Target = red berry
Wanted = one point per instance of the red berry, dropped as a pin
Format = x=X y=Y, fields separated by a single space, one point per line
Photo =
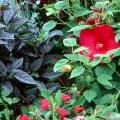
x=63 y=112
x=45 y=104
x=24 y=117
x=66 y=98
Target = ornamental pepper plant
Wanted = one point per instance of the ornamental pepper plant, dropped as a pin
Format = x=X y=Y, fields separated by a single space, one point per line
x=60 y=59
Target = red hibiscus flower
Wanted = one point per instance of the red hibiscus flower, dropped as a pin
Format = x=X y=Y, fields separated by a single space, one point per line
x=24 y=117
x=98 y=40
x=45 y=104
x=66 y=98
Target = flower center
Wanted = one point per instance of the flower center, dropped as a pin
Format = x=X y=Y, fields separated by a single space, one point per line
x=99 y=45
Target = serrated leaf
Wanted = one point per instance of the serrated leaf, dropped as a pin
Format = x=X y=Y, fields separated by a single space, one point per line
x=23 y=76
x=58 y=67
x=104 y=79
x=89 y=95
x=69 y=42
x=77 y=71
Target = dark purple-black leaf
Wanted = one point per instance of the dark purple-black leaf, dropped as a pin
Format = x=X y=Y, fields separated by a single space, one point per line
x=16 y=64
x=7 y=15
x=23 y=76
x=6 y=36
x=10 y=44
x=36 y=64
x=52 y=86
x=8 y=86
x=54 y=33
x=19 y=22
x=51 y=74
x=3 y=69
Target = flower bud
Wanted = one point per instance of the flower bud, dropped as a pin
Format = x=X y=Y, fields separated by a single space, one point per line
x=90 y=21
x=67 y=68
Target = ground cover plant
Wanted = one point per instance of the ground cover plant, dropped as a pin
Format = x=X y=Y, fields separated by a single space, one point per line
x=59 y=60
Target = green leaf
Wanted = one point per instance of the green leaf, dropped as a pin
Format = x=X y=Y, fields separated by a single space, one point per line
x=61 y=5
x=104 y=79
x=24 y=110
x=105 y=69
x=90 y=95
x=117 y=53
x=79 y=28
x=117 y=37
x=83 y=12
x=72 y=57
x=79 y=49
x=80 y=101
x=58 y=97
x=45 y=93
x=59 y=65
x=7 y=100
x=96 y=61
x=106 y=99
x=69 y=42
x=84 y=59
x=77 y=71
x=49 y=25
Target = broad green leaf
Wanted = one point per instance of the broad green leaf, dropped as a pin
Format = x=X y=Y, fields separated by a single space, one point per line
x=117 y=37
x=73 y=57
x=96 y=61
x=49 y=25
x=69 y=42
x=79 y=28
x=79 y=49
x=105 y=69
x=84 y=59
x=59 y=65
x=58 y=97
x=89 y=95
x=61 y=5
x=77 y=71
x=83 y=12
x=106 y=99
x=96 y=87
x=104 y=79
